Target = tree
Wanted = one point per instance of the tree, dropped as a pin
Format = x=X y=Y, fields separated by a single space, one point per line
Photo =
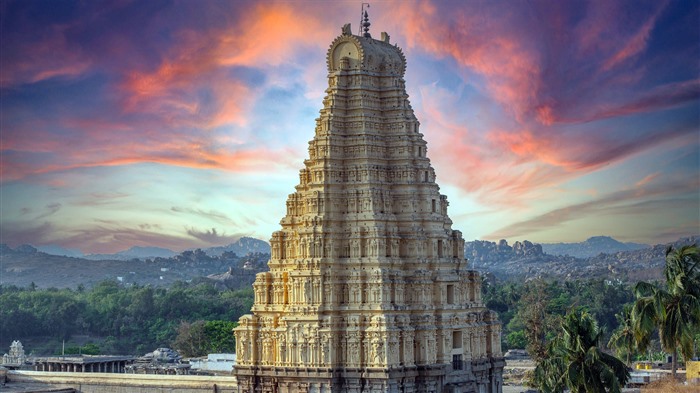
x=220 y=336
x=191 y=340
x=576 y=362
x=674 y=310
x=203 y=337
x=535 y=319
x=623 y=338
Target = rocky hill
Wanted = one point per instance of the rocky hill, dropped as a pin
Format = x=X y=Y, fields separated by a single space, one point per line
x=241 y=247
x=525 y=260
x=591 y=247
x=244 y=246
x=25 y=265
x=234 y=266
x=134 y=252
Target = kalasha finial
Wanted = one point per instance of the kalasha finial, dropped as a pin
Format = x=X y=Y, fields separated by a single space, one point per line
x=364 y=21
x=365 y=26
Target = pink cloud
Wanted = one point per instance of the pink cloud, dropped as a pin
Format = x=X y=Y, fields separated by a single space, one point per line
x=637 y=43
x=267 y=36
x=537 y=64
x=476 y=41
x=164 y=117
x=498 y=172
x=49 y=56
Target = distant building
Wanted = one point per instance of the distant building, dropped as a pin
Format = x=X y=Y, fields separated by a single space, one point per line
x=83 y=363
x=161 y=361
x=16 y=356
x=215 y=362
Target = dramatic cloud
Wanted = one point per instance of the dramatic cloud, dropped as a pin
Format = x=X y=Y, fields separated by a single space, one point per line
x=631 y=201
x=212 y=236
x=124 y=122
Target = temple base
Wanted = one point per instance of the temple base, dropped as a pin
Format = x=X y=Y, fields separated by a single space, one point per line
x=478 y=376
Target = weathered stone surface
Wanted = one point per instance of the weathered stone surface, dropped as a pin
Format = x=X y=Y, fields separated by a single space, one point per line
x=368 y=288
x=118 y=383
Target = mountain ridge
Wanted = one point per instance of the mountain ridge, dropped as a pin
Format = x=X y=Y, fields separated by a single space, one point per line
x=591 y=247
x=242 y=246
x=522 y=260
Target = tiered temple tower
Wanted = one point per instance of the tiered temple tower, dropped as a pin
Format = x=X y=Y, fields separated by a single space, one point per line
x=368 y=288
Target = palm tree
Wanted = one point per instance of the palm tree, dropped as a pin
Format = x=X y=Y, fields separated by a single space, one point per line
x=675 y=310
x=623 y=338
x=576 y=362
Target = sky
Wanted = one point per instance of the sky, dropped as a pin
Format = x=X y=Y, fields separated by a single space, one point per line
x=183 y=124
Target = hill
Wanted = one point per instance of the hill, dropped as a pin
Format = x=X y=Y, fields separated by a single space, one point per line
x=135 y=252
x=241 y=260
x=591 y=247
x=241 y=247
x=25 y=265
x=525 y=260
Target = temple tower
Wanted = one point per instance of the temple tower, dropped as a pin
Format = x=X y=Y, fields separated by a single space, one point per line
x=368 y=288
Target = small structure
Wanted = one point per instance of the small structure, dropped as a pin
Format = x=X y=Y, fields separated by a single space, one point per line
x=84 y=363
x=516 y=354
x=16 y=357
x=692 y=371
x=161 y=361
x=215 y=363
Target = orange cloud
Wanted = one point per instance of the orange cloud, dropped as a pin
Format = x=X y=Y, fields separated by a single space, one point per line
x=267 y=36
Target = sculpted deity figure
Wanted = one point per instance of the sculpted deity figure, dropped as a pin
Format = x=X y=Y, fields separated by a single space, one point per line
x=303 y=351
x=307 y=290
x=393 y=355
x=355 y=249
x=242 y=353
x=377 y=348
x=354 y=352
x=283 y=349
x=267 y=351
x=325 y=349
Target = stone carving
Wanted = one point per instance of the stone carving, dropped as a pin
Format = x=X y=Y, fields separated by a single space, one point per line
x=360 y=269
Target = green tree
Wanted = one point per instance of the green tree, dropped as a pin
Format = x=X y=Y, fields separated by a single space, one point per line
x=517 y=339
x=535 y=319
x=674 y=310
x=191 y=339
x=576 y=362
x=220 y=336
x=623 y=338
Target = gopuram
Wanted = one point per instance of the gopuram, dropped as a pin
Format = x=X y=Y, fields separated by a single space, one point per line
x=368 y=288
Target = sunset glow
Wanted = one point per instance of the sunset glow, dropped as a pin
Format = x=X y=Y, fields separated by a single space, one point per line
x=184 y=124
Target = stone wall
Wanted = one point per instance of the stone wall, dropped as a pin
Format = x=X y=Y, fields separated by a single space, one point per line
x=127 y=383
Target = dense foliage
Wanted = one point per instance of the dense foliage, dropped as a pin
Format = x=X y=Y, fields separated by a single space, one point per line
x=673 y=310
x=200 y=338
x=576 y=362
x=538 y=305
x=127 y=320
